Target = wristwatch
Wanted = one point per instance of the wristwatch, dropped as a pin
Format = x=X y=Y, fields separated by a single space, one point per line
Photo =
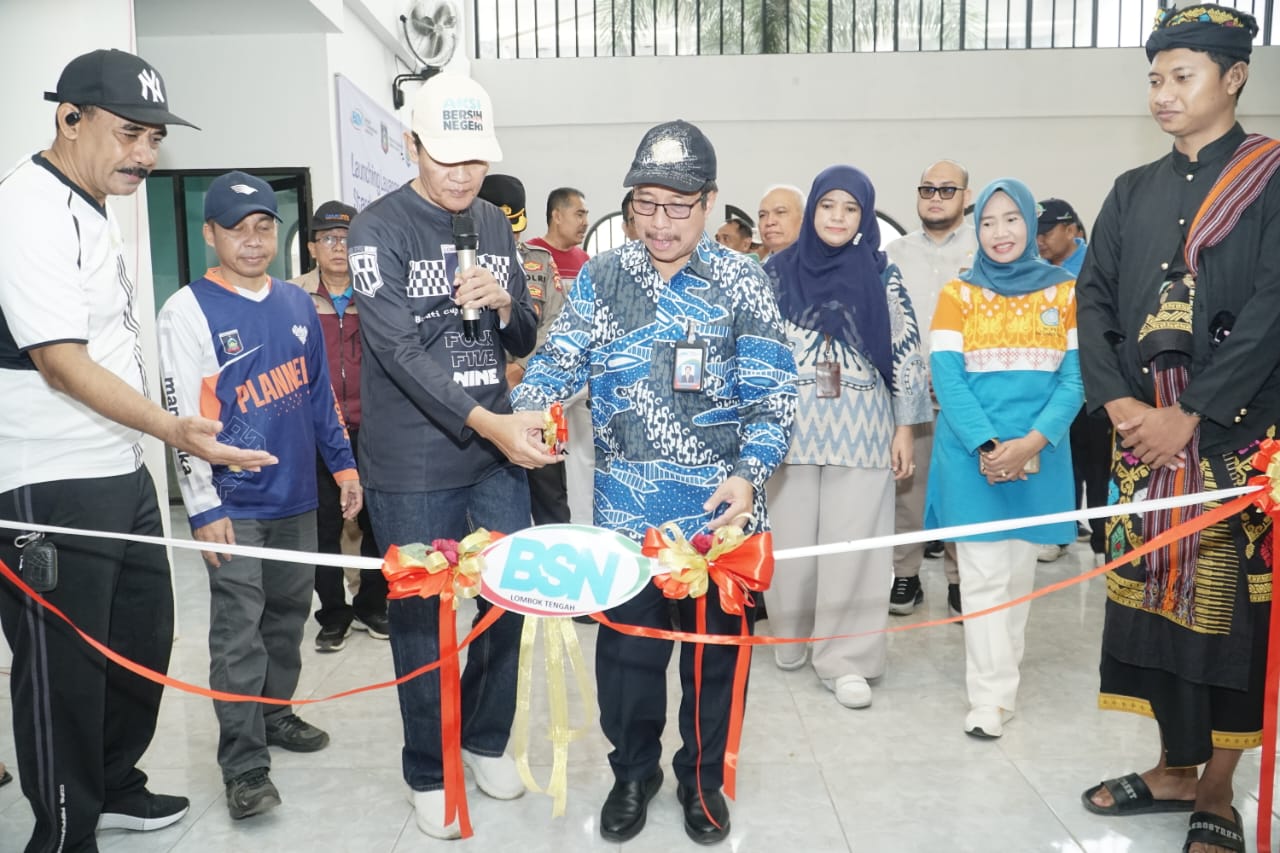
x=987 y=446
x=1187 y=410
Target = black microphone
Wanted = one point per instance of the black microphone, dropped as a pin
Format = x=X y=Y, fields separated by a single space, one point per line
x=465 y=241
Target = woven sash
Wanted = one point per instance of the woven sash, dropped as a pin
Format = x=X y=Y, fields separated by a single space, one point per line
x=1170 y=582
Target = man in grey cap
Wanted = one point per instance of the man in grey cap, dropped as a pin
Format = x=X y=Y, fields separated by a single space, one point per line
x=334 y=298
x=693 y=451
x=70 y=351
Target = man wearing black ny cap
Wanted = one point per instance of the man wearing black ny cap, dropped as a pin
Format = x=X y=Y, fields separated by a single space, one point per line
x=1180 y=344
x=79 y=402
x=694 y=449
x=329 y=284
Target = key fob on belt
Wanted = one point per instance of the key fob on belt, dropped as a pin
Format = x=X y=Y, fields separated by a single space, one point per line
x=38 y=564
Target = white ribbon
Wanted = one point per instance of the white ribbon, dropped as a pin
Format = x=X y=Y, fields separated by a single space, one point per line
x=338 y=560
x=942 y=533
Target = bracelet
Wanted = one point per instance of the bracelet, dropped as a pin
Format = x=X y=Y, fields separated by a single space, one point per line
x=1187 y=410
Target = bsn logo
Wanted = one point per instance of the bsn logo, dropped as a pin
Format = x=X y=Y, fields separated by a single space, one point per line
x=150 y=81
x=558 y=570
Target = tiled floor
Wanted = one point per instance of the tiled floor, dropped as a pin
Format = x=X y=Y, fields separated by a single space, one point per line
x=814 y=777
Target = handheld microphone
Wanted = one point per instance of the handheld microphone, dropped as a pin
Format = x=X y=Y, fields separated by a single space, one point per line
x=465 y=242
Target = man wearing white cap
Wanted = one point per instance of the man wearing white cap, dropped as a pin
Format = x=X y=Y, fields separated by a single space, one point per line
x=439 y=453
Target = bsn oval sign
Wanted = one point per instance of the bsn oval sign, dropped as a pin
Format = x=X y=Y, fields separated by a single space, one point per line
x=563 y=570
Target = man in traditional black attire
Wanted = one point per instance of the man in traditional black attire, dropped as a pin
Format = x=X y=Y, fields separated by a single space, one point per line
x=1180 y=343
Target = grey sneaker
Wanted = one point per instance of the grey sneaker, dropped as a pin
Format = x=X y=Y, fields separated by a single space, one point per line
x=251 y=793
x=291 y=732
x=332 y=638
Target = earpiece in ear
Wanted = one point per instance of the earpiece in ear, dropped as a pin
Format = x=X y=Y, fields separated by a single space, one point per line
x=72 y=117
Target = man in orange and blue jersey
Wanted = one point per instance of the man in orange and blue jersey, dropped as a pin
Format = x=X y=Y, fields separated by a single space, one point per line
x=244 y=348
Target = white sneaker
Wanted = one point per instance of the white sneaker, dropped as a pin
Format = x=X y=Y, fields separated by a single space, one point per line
x=495 y=775
x=428 y=811
x=986 y=721
x=787 y=664
x=1049 y=553
x=852 y=691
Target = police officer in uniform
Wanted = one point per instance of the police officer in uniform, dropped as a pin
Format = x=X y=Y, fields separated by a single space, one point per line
x=548 y=492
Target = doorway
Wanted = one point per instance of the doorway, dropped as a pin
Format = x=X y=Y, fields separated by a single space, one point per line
x=175 y=208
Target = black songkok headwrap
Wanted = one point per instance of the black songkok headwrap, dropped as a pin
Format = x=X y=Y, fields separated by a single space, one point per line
x=1204 y=26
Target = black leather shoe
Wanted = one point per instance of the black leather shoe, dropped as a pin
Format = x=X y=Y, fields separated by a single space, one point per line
x=697 y=820
x=626 y=807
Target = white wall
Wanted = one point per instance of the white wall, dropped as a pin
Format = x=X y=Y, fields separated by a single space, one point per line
x=37 y=39
x=1065 y=121
x=260 y=100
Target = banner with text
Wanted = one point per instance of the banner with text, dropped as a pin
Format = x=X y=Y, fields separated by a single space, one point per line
x=370 y=147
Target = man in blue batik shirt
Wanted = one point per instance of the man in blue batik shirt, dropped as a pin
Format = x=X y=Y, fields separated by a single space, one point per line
x=696 y=452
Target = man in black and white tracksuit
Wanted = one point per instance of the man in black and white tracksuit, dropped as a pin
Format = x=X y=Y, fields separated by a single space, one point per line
x=440 y=453
x=77 y=404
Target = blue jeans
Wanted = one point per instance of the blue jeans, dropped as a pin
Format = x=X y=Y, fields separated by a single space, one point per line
x=500 y=502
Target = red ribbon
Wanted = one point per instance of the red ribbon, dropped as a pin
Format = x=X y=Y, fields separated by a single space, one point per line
x=439 y=573
x=746 y=568
x=1267 y=460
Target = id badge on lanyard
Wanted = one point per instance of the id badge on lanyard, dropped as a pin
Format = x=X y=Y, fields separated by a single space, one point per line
x=827 y=371
x=690 y=363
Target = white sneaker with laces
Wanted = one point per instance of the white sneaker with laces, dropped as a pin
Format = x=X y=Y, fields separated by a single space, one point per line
x=852 y=691
x=986 y=721
x=495 y=775
x=428 y=811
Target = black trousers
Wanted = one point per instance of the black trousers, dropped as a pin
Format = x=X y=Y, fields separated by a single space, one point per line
x=631 y=677
x=549 y=495
x=81 y=724
x=1091 y=467
x=371 y=598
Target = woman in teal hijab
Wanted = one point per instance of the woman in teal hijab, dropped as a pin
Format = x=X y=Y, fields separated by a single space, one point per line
x=1007 y=377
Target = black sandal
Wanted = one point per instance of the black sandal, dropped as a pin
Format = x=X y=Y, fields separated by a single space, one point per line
x=1130 y=796
x=5 y=778
x=1208 y=828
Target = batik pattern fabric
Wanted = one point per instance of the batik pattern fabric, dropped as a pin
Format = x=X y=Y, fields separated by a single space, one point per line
x=855 y=430
x=660 y=453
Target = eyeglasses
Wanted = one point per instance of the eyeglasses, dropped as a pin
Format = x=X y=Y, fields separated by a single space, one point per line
x=674 y=210
x=333 y=240
x=945 y=193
